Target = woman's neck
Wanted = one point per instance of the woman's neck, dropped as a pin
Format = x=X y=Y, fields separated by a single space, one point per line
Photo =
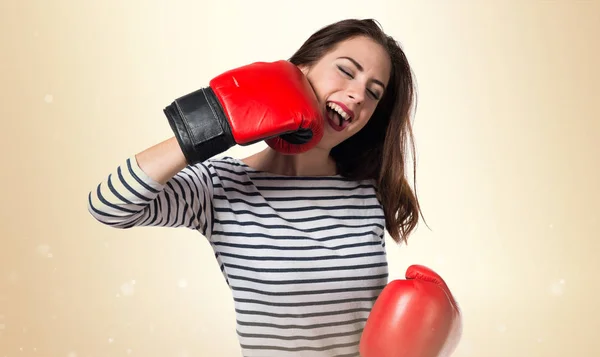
x=315 y=162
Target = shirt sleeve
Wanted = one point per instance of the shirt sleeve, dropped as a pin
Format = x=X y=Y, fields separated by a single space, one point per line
x=128 y=197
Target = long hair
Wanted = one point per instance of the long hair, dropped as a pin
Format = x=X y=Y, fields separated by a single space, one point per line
x=379 y=150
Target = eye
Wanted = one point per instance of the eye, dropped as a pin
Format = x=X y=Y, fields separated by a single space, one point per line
x=345 y=71
x=373 y=94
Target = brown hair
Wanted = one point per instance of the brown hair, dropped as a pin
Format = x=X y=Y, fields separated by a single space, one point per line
x=378 y=151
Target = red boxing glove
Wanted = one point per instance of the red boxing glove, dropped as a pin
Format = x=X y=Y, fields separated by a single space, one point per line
x=271 y=101
x=416 y=317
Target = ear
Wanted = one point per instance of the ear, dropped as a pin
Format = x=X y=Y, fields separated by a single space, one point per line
x=304 y=68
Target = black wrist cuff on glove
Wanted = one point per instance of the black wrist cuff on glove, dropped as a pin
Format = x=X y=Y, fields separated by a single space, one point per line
x=200 y=125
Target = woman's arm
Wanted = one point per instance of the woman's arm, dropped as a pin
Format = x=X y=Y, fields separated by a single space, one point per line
x=156 y=187
x=162 y=161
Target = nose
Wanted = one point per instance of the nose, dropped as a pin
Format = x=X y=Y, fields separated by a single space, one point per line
x=356 y=94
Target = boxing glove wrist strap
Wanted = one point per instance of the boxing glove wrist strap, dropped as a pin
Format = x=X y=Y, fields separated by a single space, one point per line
x=200 y=126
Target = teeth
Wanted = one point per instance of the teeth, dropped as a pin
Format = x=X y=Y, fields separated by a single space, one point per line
x=339 y=110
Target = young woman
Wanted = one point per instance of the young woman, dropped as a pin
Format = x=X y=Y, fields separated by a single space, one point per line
x=298 y=232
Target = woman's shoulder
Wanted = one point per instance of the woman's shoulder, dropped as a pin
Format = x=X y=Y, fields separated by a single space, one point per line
x=227 y=166
x=227 y=162
x=231 y=165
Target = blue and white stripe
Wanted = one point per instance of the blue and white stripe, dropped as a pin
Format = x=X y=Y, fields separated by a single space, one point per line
x=304 y=257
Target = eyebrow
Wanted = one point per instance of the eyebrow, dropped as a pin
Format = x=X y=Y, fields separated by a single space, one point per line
x=361 y=68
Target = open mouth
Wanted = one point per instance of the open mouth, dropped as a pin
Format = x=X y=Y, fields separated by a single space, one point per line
x=339 y=115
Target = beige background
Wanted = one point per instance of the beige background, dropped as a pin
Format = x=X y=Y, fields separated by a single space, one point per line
x=507 y=131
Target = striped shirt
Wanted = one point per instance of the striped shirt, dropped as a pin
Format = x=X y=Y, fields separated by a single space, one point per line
x=304 y=257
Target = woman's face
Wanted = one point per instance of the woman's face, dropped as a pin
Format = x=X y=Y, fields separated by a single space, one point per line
x=349 y=82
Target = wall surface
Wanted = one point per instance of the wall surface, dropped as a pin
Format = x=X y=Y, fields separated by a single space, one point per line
x=507 y=130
